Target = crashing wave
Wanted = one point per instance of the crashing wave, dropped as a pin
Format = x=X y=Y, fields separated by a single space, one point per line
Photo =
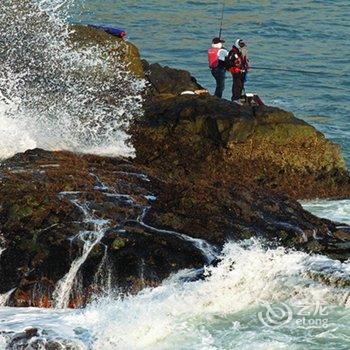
x=249 y=287
x=53 y=96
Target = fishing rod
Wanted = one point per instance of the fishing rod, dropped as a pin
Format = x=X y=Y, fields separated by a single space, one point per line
x=222 y=18
x=268 y=68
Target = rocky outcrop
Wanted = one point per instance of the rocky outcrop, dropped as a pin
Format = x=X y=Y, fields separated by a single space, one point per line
x=208 y=138
x=206 y=171
x=52 y=204
x=135 y=228
x=167 y=82
x=114 y=47
x=205 y=138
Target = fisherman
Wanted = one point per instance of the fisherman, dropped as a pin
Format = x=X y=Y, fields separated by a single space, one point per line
x=236 y=68
x=241 y=45
x=217 y=57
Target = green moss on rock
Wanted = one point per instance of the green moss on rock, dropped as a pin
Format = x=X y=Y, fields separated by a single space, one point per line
x=118 y=243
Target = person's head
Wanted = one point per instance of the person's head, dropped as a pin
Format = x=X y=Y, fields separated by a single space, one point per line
x=218 y=42
x=240 y=43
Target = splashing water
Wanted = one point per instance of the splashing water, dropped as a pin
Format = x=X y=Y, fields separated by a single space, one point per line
x=4 y=298
x=220 y=312
x=338 y=211
x=54 y=96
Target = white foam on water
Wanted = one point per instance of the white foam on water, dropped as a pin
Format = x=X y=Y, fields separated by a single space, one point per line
x=181 y=315
x=54 y=96
x=338 y=211
x=220 y=312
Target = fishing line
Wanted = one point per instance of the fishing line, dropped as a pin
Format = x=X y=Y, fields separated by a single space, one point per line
x=294 y=71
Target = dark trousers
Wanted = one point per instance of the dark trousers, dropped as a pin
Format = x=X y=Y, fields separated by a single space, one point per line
x=219 y=75
x=237 y=86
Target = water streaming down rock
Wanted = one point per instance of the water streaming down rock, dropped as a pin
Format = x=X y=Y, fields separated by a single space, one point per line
x=2 y=244
x=103 y=276
x=4 y=298
x=208 y=250
x=63 y=290
x=55 y=96
x=66 y=289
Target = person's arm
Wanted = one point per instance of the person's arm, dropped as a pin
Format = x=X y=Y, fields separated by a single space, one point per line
x=222 y=55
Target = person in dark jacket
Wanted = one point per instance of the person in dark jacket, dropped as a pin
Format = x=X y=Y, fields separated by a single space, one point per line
x=236 y=69
x=241 y=45
x=216 y=58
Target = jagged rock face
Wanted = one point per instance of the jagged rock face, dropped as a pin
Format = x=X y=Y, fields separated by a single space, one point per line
x=210 y=138
x=52 y=202
x=167 y=81
x=206 y=171
x=135 y=228
x=204 y=138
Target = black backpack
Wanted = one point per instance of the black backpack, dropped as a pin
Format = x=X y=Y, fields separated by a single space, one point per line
x=230 y=59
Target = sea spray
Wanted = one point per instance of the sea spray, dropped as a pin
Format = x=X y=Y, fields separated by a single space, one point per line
x=215 y=313
x=55 y=96
x=218 y=312
x=4 y=298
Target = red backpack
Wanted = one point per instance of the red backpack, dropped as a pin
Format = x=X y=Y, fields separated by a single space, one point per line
x=213 y=57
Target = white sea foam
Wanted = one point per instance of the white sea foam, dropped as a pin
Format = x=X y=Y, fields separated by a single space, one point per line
x=182 y=315
x=220 y=312
x=338 y=211
x=55 y=97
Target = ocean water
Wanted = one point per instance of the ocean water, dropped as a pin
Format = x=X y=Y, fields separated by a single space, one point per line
x=255 y=298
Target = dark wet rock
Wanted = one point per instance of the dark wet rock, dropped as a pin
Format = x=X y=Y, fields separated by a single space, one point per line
x=206 y=139
x=168 y=81
x=33 y=339
x=207 y=171
x=40 y=223
x=147 y=216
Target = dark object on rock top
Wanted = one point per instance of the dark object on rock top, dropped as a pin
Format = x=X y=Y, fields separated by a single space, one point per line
x=120 y=33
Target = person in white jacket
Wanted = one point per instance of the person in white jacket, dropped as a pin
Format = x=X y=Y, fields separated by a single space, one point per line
x=216 y=58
